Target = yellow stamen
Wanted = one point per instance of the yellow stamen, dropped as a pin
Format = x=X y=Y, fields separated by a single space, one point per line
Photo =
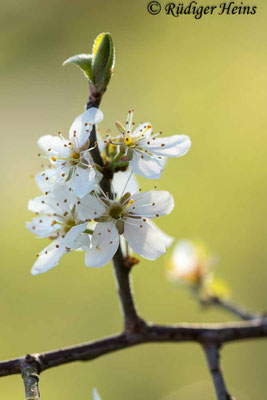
x=128 y=204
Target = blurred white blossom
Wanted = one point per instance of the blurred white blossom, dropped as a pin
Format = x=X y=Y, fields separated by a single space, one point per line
x=189 y=262
x=193 y=264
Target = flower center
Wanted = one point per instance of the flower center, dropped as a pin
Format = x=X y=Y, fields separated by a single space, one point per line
x=116 y=211
x=70 y=223
x=75 y=158
x=129 y=141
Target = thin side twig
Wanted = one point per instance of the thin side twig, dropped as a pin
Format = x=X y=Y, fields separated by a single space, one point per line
x=228 y=306
x=213 y=361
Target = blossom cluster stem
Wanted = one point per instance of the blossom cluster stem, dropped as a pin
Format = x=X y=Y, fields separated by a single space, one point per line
x=132 y=321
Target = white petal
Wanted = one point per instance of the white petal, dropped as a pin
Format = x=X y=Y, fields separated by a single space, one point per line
x=63 y=193
x=83 y=242
x=71 y=237
x=166 y=239
x=143 y=239
x=45 y=185
x=142 y=129
x=82 y=126
x=95 y=174
x=43 y=226
x=48 y=205
x=145 y=165
x=119 y=181
x=54 y=146
x=39 y=205
x=152 y=204
x=125 y=248
x=96 y=395
x=83 y=181
x=46 y=180
x=172 y=146
x=90 y=207
x=49 y=257
x=93 y=115
x=105 y=242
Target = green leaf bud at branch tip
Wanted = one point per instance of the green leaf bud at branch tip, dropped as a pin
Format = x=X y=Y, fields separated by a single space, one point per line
x=103 y=61
x=98 y=66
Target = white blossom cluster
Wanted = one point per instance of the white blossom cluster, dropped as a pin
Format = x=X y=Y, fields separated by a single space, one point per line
x=75 y=213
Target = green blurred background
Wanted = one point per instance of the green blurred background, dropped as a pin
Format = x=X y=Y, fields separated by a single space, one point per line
x=206 y=78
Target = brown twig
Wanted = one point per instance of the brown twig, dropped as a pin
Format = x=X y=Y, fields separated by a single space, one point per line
x=132 y=322
x=234 y=309
x=213 y=361
x=204 y=334
x=30 y=368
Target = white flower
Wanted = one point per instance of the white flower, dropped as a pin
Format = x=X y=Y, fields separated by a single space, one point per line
x=57 y=220
x=96 y=395
x=146 y=151
x=128 y=216
x=124 y=179
x=190 y=262
x=71 y=158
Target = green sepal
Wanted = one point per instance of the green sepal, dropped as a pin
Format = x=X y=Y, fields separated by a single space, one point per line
x=84 y=62
x=120 y=226
x=130 y=154
x=88 y=231
x=111 y=150
x=105 y=201
x=102 y=219
x=125 y=197
x=69 y=175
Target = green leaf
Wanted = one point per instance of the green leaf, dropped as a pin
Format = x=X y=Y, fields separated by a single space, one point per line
x=84 y=62
x=103 y=61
